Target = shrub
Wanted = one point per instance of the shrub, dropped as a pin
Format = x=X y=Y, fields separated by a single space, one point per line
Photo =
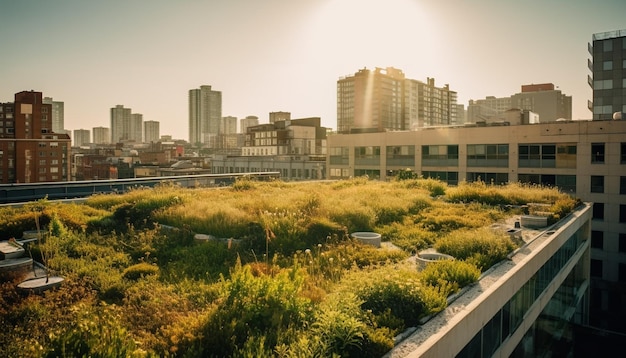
x=452 y=274
x=484 y=247
x=354 y=219
x=250 y=306
x=140 y=270
x=95 y=332
x=394 y=289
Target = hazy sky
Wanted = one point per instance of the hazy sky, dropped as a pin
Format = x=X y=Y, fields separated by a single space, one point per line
x=287 y=55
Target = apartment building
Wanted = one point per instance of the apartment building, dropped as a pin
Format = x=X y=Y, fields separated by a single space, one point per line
x=295 y=147
x=101 y=135
x=544 y=99
x=249 y=121
x=608 y=67
x=384 y=99
x=30 y=151
x=151 y=131
x=205 y=115
x=81 y=137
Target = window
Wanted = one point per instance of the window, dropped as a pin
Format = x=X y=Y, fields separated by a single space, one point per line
x=607 y=65
x=597 y=153
x=596 y=268
x=622 y=153
x=621 y=273
x=607 y=45
x=488 y=155
x=597 y=184
x=622 y=213
x=622 y=243
x=598 y=211
x=537 y=155
x=597 y=239
x=622 y=185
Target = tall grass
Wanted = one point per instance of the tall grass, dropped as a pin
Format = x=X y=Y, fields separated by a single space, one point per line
x=293 y=284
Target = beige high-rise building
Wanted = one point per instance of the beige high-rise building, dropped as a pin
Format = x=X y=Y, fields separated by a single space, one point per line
x=544 y=99
x=205 y=114
x=101 y=135
x=120 y=123
x=81 y=137
x=136 y=127
x=228 y=125
x=249 y=121
x=152 y=132
x=384 y=99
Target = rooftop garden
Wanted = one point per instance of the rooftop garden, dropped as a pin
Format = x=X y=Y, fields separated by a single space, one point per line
x=274 y=273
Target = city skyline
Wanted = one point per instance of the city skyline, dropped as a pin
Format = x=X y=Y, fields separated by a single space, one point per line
x=287 y=56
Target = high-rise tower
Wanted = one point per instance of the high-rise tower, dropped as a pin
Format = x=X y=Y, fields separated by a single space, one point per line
x=58 y=113
x=609 y=74
x=384 y=99
x=120 y=123
x=205 y=114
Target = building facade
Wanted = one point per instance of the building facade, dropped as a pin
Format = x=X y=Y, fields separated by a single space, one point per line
x=585 y=158
x=101 y=135
x=58 y=114
x=136 y=128
x=205 y=114
x=384 y=99
x=249 y=121
x=303 y=136
x=81 y=137
x=30 y=151
x=609 y=74
x=152 y=132
x=228 y=125
x=544 y=99
x=120 y=123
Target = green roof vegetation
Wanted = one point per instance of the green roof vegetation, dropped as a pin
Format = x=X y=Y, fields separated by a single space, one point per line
x=276 y=273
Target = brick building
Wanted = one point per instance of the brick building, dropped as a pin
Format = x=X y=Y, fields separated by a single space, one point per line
x=30 y=151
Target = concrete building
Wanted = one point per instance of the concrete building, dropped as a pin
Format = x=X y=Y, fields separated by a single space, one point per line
x=543 y=99
x=120 y=123
x=607 y=186
x=249 y=121
x=279 y=116
x=30 y=151
x=136 y=128
x=151 y=131
x=303 y=136
x=81 y=137
x=585 y=158
x=205 y=114
x=609 y=74
x=101 y=135
x=228 y=125
x=296 y=148
x=534 y=304
x=384 y=99
x=58 y=114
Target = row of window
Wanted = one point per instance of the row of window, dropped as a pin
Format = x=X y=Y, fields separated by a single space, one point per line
x=490 y=155
x=598 y=212
x=597 y=266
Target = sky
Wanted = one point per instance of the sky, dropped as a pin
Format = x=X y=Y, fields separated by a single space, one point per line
x=287 y=55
